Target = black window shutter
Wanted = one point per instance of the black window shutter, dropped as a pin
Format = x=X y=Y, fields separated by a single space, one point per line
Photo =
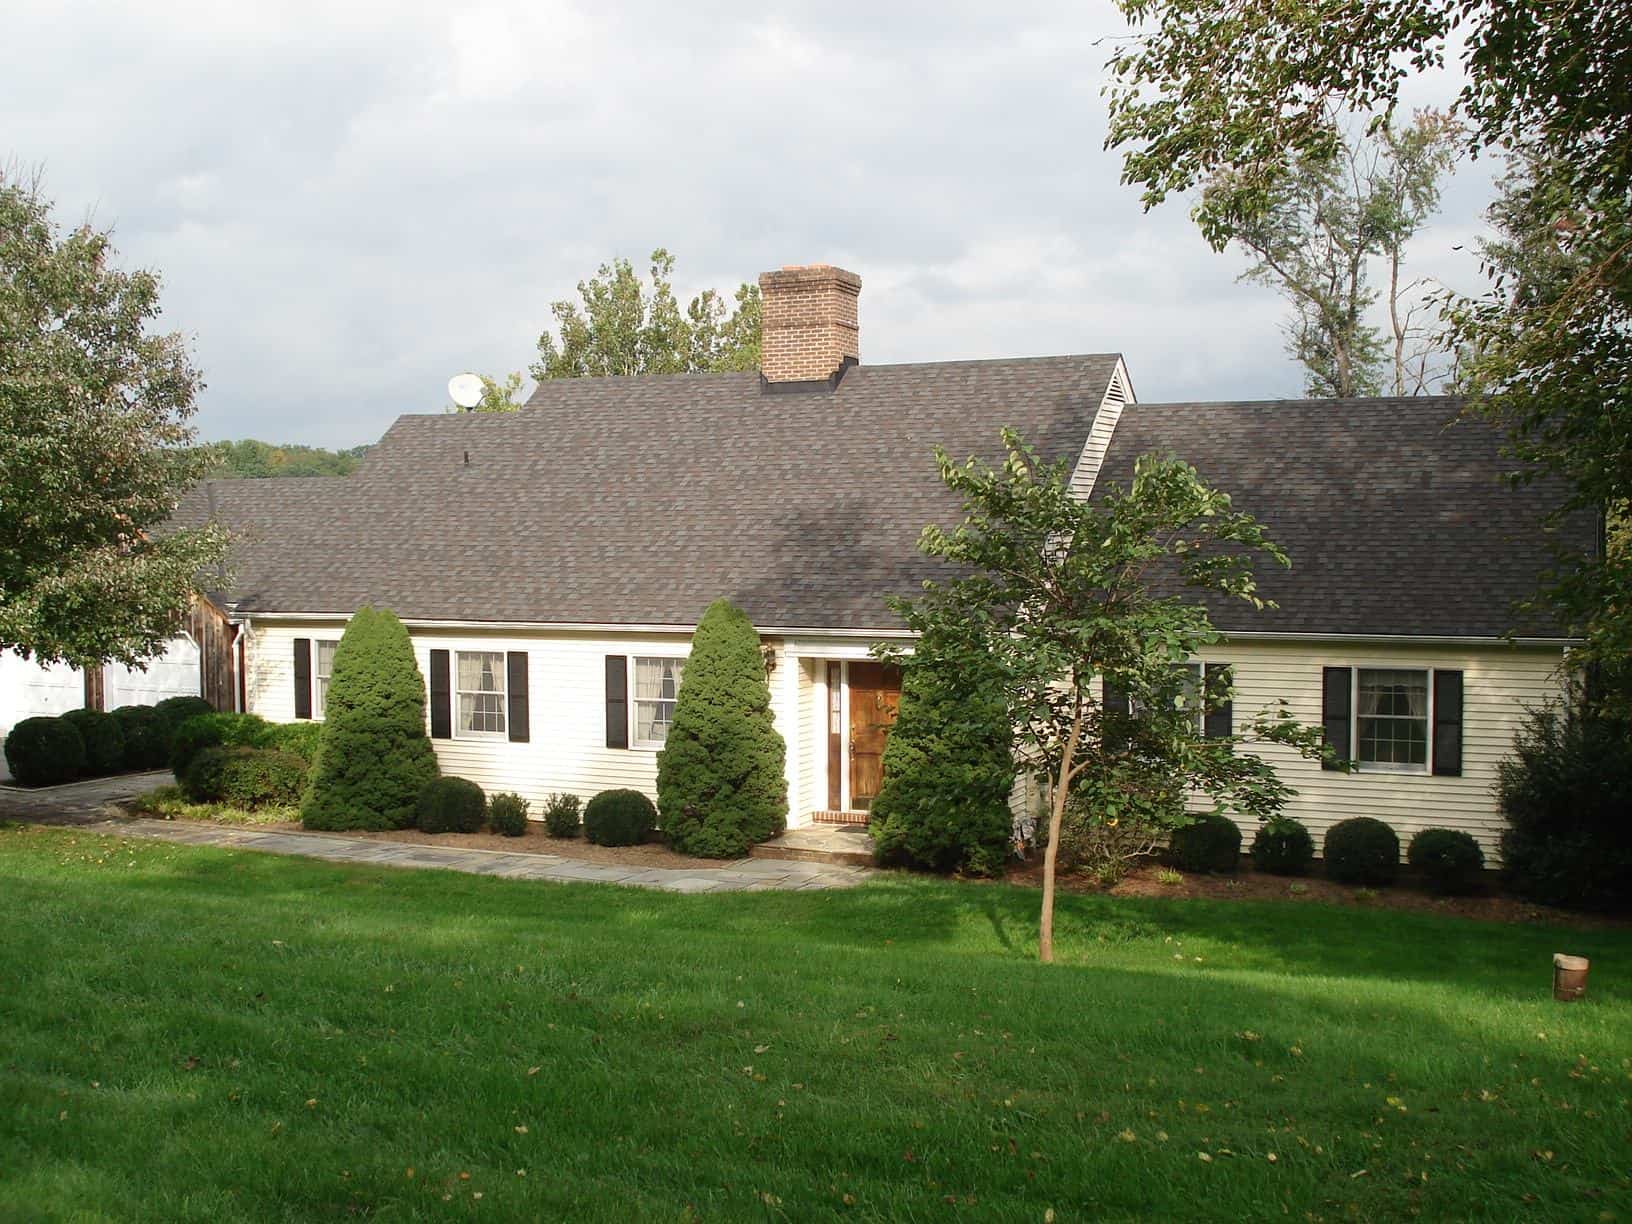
x=303 y=677
x=1335 y=703
x=441 y=697
x=1219 y=720
x=516 y=665
x=1117 y=711
x=1448 y=723
x=617 y=701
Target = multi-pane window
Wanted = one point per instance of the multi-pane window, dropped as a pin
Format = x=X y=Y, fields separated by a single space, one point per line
x=657 y=684
x=479 y=689
x=322 y=669
x=1391 y=708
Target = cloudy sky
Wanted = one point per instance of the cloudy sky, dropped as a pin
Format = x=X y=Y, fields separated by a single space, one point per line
x=349 y=202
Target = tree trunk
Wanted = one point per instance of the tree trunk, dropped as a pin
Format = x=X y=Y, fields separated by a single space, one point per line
x=1056 y=818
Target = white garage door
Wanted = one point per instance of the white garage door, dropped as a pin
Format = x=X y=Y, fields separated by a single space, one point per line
x=172 y=674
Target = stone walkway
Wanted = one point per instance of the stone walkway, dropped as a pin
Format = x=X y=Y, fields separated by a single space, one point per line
x=93 y=806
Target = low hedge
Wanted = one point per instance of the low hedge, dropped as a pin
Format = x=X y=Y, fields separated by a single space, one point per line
x=1212 y=843
x=214 y=730
x=1283 y=846
x=173 y=711
x=45 y=751
x=619 y=818
x=507 y=815
x=244 y=777
x=104 y=741
x=300 y=738
x=1362 y=851
x=1449 y=861
x=563 y=815
x=450 y=805
x=146 y=744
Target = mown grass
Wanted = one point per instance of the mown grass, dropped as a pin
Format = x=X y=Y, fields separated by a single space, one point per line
x=197 y=1034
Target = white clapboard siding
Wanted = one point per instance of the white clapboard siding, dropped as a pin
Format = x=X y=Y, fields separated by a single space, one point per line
x=811 y=745
x=1499 y=684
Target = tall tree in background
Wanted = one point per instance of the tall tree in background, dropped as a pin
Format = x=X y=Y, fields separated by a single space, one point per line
x=1318 y=234
x=250 y=459
x=95 y=448
x=1249 y=90
x=627 y=327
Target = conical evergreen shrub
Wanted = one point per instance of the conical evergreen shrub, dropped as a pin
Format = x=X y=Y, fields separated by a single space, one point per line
x=721 y=777
x=948 y=770
x=375 y=757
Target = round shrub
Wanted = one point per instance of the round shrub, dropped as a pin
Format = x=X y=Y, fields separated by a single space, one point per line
x=1362 y=851
x=173 y=711
x=146 y=745
x=721 y=776
x=104 y=741
x=507 y=815
x=1212 y=843
x=450 y=805
x=213 y=730
x=1449 y=861
x=948 y=768
x=563 y=815
x=244 y=777
x=619 y=818
x=300 y=738
x=375 y=757
x=1282 y=846
x=45 y=751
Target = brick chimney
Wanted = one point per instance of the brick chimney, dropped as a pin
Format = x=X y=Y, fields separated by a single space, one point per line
x=808 y=330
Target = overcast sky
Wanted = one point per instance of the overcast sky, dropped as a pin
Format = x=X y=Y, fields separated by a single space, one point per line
x=351 y=202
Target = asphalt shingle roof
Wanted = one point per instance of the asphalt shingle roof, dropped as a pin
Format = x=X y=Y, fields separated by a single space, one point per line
x=1394 y=512
x=641 y=500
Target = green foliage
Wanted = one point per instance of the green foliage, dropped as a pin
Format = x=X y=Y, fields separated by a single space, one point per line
x=1564 y=794
x=173 y=711
x=619 y=818
x=146 y=746
x=948 y=771
x=250 y=459
x=375 y=757
x=507 y=815
x=213 y=730
x=104 y=740
x=1283 y=846
x=563 y=815
x=450 y=805
x=1449 y=860
x=95 y=449
x=625 y=328
x=249 y=778
x=301 y=738
x=1212 y=842
x=721 y=782
x=45 y=751
x=1362 y=850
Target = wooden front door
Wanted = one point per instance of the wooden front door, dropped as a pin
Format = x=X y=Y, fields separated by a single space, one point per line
x=875 y=698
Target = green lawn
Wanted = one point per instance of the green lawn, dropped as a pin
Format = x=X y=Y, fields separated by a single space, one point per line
x=195 y=1034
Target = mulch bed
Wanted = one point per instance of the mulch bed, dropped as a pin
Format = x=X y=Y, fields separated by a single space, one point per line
x=1249 y=885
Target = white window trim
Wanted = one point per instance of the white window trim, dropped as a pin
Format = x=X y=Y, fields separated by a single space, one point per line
x=503 y=693
x=635 y=700
x=1388 y=767
x=320 y=709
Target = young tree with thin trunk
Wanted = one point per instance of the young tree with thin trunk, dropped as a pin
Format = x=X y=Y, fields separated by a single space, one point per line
x=1061 y=599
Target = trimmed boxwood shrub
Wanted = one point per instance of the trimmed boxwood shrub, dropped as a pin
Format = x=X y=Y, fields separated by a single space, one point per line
x=1283 y=846
x=507 y=815
x=104 y=741
x=450 y=805
x=146 y=745
x=45 y=751
x=563 y=815
x=619 y=818
x=948 y=770
x=300 y=738
x=1449 y=861
x=244 y=777
x=1564 y=793
x=1211 y=843
x=213 y=730
x=173 y=711
x=1362 y=851
x=375 y=757
x=721 y=778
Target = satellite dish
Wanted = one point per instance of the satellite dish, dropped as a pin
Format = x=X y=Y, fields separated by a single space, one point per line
x=465 y=390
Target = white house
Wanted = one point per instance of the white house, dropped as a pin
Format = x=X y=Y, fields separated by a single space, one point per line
x=551 y=564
